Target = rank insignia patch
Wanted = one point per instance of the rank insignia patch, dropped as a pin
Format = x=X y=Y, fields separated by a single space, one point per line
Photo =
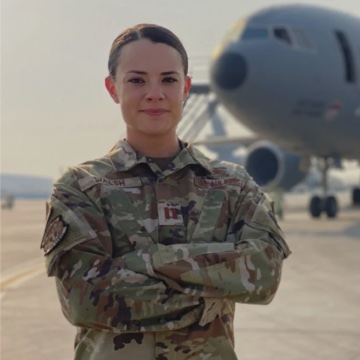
x=54 y=232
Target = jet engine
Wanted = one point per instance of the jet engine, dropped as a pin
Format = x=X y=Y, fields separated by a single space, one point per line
x=272 y=167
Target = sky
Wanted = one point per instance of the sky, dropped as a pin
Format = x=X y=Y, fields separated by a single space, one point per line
x=55 y=111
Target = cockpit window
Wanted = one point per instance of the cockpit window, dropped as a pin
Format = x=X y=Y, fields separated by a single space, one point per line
x=252 y=33
x=301 y=39
x=282 y=34
x=297 y=38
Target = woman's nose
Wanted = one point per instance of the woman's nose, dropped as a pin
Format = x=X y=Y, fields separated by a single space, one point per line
x=154 y=92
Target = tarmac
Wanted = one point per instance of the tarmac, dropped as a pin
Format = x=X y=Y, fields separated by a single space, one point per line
x=315 y=314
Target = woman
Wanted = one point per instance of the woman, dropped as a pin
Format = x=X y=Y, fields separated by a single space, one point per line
x=152 y=244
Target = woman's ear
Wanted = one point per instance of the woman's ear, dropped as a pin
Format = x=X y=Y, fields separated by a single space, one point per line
x=187 y=87
x=110 y=86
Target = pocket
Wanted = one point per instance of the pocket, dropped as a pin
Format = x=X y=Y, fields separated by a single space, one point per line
x=264 y=219
x=212 y=222
x=126 y=222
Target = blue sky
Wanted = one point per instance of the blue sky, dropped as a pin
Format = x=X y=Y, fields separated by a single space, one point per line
x=54 y=108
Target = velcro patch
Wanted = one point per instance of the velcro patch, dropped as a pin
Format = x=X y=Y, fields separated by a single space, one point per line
x=54 y=232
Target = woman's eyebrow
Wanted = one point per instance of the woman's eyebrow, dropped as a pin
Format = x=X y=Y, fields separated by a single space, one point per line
x=140 y=72
x=136 y=72
x=170 y=73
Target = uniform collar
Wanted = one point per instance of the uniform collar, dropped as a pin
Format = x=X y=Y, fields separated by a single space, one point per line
x=123 y=158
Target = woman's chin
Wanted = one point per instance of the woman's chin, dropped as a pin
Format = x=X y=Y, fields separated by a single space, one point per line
x=157 y=130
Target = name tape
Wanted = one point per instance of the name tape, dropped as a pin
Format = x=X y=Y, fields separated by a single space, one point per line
x=90 y=181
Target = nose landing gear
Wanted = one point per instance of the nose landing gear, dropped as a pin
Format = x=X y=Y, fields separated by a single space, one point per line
x=327 y=203
x=356 y=197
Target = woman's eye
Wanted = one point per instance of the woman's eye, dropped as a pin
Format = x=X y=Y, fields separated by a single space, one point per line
x=169 y=79
x=136 y=80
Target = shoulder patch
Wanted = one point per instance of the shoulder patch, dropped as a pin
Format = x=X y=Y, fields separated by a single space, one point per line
x=54 y=232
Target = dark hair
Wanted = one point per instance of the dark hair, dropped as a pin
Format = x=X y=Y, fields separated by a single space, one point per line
x=154 y=33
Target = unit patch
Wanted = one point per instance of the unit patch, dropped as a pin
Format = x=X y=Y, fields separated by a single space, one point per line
x=54 y=232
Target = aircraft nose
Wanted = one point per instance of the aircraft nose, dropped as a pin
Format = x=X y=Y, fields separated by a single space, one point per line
x=230 y=70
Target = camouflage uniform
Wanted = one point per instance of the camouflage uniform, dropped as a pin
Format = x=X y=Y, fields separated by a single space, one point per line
x=150 y=263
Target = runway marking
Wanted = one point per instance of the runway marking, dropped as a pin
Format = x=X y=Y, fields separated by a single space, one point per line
x=20 y=276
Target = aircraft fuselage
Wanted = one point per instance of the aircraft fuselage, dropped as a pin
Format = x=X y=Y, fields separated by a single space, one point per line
x=292 y=75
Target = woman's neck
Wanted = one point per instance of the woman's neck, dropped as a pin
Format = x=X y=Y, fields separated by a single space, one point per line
x=156 y=147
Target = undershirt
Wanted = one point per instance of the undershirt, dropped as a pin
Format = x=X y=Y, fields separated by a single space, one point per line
x=162 y=163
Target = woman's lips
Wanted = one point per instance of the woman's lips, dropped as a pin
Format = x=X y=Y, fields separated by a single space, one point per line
x=154 y=112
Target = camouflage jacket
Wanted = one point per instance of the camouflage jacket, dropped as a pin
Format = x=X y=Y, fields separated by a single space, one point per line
x=150 y=263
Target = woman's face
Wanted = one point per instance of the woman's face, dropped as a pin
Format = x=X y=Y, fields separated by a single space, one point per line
x=150 y=87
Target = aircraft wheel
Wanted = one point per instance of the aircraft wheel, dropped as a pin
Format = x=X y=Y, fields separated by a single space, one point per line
x=315 y=206
x=356 y=196
x=331 y=206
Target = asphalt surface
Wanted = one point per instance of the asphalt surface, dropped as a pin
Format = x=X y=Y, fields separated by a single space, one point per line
x=315 y=314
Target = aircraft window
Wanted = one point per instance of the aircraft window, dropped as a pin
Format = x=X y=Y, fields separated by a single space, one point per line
x=347 y=55
x=254 y=33
x=301 y=39
x=282 y=34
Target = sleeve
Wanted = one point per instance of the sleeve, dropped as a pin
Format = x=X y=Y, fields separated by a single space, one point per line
x=95 y=289
x=246 y=267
